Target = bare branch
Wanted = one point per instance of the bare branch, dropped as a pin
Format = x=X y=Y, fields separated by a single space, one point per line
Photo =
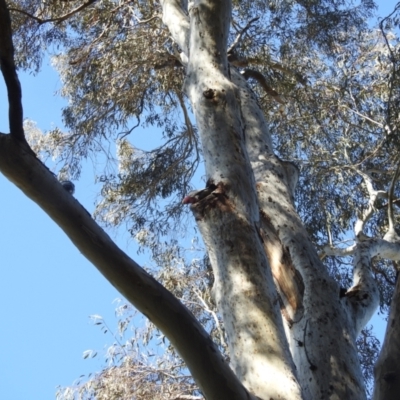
x=240 y=35
x=339 y=252
x=376 y=247
x=9 y=71
x=177 y=22
x=369 y=211
x=214 y=315
x=384 y=249
x=364 y=116
x=145 y=21
x=259 y=77
x=56 y=19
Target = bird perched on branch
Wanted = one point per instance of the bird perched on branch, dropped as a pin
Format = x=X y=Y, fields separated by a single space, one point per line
x=197 y=195
x=68 y=186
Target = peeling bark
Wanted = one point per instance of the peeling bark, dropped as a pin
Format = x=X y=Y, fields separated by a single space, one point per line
x=321 y=336
x=243 y=288
x=288 y=280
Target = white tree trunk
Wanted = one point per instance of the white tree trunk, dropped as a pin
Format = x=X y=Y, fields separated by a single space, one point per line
x=321 y=328
x=228 y=218
x=320 y=332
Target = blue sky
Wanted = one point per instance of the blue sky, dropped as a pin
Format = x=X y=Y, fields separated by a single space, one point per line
x=48 y=289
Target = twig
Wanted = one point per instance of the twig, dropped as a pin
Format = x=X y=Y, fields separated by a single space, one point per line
x=214 y=315
x=145 y=21
x=241 y=33
x=364 y=116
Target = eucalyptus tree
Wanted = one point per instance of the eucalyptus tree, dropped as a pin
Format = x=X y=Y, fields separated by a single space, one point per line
x=270 y=95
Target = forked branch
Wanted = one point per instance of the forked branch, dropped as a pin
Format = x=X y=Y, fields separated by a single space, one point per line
x=240 y=34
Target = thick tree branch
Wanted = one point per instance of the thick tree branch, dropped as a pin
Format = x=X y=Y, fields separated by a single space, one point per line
x=177 y=22
x=212 y=374
x=374 y=195
x=362 y=299
x=9 y=71
x=384 y=249
x=330 y=250
x=377 y=248
x=391 y=234
x=259 y=77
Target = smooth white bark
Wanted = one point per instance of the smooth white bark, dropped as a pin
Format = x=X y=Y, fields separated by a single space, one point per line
x=362 y=299
x=177 y=20
x=228 y=218
x=321 y=334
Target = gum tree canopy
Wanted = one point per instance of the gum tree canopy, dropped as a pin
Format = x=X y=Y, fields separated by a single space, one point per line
x=293 y=107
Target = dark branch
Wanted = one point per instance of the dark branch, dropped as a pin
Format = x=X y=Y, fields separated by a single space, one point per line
x=383 y=273
x=241 y=33
x=56 y=19
x=259 y=77
x=9 y=71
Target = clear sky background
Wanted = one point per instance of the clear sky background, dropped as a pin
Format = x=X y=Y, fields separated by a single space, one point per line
x=48 y=289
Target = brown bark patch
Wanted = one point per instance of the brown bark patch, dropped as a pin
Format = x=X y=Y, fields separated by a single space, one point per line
x=287 y=278
x=216 y=199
